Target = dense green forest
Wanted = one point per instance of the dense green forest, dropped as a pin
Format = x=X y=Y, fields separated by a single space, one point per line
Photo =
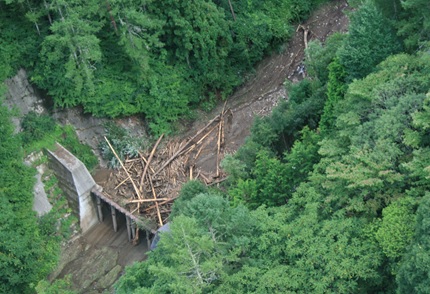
x=160 y=59
x=330 y=193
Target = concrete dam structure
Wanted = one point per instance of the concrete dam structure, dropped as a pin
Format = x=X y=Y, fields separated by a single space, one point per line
x=86 y=197
x=76 y=182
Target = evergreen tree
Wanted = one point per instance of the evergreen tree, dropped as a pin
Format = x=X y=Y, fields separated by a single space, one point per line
x=336 y=89
x=69 y=55
x=415 y=24
x=371 y=39
x=413 y=276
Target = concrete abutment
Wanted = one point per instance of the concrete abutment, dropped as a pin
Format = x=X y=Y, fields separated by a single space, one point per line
x=76 y=182
x=86 y=197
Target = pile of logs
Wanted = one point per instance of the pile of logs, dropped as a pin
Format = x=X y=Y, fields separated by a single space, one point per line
x=148 y=184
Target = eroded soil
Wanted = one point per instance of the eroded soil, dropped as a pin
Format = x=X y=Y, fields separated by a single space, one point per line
x=261 y=93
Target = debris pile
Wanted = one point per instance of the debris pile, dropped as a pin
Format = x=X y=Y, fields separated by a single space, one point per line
x=148 y=184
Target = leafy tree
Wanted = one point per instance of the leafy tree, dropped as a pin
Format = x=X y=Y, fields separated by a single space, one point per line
x=156 y=58
x=415 y=25
x=396 y=228
x=196 y=39
x=234 y=168
x=300 y=160
x=272 y=181
x=267 y=185
x=391 y=9
x=413 y=273
x=74 y=46
x=18 y=39
x=198 y=251
x=319 y=56
x=365 y=152
x=188 y=191
x=306 y=253
x=417 y=137
x=184 y=262
x=232 y=225
x=139 y=32
x=336 y=89
x=370 y=40
x=277 y=132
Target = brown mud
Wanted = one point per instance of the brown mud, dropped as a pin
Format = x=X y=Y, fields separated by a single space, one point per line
x=261 y=93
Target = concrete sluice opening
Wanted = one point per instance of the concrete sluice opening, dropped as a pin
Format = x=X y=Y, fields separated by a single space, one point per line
x=120 y=219
x=96 y=258
x=103 y=234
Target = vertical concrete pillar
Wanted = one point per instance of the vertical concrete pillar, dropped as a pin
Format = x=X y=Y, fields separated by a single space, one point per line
x=133 y=229
x=99 y=209
x=148 y=241
x=128 y=224
x=115 y=225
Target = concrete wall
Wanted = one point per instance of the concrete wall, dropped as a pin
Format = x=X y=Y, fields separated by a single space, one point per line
x=76 y=182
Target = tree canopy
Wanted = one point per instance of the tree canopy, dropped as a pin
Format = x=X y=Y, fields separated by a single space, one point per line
x=329 y=194
x=156 y=58
x=334 y=183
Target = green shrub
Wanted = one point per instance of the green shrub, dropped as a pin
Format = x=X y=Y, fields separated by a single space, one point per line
x=188 y=191
x=70 y=141
x=41 y=131
x=122 y=142
x=36 y=126
x=63 y=286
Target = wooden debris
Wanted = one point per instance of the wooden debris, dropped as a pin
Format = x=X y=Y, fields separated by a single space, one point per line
x=120 y=184
x=145 y=162
x=218 y=181
x=219 y=139
x=207 y=181
x=161 y=203
x=160 y=172
x=186 y=144
x=122 y=165
x=306 y=31
x=156 y=203
x=146 y=200
x=149 y=160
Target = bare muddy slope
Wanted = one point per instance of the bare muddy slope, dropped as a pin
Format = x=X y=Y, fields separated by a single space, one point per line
x=262 y=92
